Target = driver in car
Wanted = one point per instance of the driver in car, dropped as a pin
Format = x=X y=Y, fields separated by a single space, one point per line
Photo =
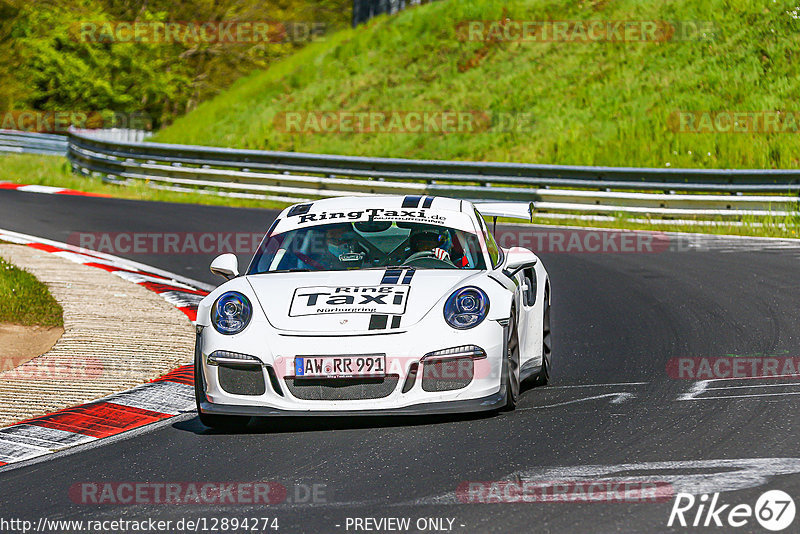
x=430 y=240
x=341 y=248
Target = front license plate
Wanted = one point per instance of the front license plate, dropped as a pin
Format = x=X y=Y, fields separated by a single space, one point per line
x=366 y=365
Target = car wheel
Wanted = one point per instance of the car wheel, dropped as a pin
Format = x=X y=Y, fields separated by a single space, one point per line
x=511 y=366
x=219 y=422
x=543 y=376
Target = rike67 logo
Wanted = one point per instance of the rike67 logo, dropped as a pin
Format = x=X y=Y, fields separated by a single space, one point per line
x=774 y=510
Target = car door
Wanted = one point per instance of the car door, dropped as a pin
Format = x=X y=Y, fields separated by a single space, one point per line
x=530 y=336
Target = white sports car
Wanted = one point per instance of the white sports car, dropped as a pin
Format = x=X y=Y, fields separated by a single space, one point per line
x=371 y=306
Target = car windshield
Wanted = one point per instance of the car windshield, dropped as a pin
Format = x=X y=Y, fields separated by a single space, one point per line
x=370 y=244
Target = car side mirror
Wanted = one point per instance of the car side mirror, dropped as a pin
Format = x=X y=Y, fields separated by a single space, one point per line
x=225 y=265
x=518 y=258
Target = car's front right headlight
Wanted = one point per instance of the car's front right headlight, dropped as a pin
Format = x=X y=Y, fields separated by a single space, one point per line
x=466 y=308
x=231 y=313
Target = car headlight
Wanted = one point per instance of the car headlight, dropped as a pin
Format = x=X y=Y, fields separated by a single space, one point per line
x=231 y=313
x=466 y=308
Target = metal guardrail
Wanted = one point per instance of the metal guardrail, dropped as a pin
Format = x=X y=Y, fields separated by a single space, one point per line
x=294 y=177
x=32 y=143
x=14 y=141
x=117 y=134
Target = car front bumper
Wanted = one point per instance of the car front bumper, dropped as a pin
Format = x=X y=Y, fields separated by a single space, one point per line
x=492 y=402
x=403 y=350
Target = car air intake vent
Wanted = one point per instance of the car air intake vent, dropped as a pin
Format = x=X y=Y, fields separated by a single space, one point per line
x=333 y=389
x=411 y=378
x=447 y=375
x=242 y=380
x=273 y=380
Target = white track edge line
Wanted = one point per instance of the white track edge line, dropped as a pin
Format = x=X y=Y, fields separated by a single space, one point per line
x=123 y=261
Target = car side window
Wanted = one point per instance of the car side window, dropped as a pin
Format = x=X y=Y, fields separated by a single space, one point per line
x=495 y=253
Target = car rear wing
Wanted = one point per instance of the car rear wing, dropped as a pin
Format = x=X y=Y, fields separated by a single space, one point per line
x=511 y=210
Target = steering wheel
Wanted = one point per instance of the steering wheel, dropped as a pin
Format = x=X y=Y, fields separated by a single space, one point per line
x=425 y=257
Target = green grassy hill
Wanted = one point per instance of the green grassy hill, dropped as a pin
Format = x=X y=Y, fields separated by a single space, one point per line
x=600 y=103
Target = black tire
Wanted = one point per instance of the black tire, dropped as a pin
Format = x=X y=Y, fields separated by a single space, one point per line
x=543 y=376
x=215 y=421
x=511 y=365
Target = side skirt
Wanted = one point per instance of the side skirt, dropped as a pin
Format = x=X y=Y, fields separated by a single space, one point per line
x=529 y=369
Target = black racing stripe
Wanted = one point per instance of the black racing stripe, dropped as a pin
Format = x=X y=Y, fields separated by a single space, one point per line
x=396 y=321
x=409 y=275
x=428 y=202
x=398 y=299
x=391 y=276
x=378 y=322
x=411 y=201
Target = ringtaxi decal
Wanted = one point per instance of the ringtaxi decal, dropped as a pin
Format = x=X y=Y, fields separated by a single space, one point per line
x=374 y=214
x=774 y=510
x=349 y=299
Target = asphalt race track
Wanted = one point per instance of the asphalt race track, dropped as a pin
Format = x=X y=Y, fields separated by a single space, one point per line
x=612 y=408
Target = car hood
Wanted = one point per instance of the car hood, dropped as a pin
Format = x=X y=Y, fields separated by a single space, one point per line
x=342 y=302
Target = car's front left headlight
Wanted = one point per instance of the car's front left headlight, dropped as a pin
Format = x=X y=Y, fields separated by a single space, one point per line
x=231 y=313
x=466 y=308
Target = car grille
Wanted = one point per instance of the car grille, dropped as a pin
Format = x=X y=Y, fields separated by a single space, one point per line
x=333 y=389
x=242 y=380
x=447 y=375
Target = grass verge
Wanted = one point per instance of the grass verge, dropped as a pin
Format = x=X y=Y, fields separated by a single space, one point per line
x=55 y=171
x=26 y=301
